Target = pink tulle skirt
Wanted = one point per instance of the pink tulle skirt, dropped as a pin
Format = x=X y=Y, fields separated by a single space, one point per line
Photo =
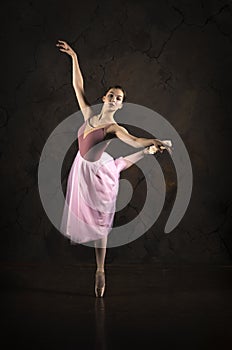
x=91 y=195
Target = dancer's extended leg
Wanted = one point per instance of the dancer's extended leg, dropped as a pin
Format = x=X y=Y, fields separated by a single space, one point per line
x=133 y=158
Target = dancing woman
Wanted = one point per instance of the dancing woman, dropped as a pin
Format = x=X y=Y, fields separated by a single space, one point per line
x=94 y=177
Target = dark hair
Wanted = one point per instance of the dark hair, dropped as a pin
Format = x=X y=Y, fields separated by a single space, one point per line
x=117 y=87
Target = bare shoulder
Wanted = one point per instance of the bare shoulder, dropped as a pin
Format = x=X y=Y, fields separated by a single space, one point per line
x=114 y=128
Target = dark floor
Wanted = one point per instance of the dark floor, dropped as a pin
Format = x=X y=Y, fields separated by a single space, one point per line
x=145 y=307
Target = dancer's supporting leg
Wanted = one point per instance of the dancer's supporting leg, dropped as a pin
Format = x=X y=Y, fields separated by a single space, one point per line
x=100 y=252
x=100 y=245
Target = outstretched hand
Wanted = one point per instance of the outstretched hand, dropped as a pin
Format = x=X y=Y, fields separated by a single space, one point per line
x=64 y=47
x=159 y=146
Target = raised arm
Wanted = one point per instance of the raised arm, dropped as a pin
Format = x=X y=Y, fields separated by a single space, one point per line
x=77 y=79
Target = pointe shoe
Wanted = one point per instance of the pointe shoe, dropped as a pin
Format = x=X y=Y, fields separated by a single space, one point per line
x=99 y=283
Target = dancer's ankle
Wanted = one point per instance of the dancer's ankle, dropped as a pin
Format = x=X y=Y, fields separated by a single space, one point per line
x=100 y=269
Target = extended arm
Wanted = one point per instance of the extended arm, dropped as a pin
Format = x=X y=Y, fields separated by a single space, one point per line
x=132 y=140
x=78 y=85
x=77 y=79
x=78 y=82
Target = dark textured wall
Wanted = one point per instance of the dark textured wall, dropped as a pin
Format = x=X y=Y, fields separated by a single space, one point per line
x=171 y=56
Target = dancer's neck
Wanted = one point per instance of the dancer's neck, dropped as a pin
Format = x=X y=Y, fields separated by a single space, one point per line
x=106 y=117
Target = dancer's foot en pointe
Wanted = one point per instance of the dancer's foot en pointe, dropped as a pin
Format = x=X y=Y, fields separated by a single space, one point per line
x=99 y=283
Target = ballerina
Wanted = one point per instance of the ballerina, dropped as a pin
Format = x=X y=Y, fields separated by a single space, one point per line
x=94 y=176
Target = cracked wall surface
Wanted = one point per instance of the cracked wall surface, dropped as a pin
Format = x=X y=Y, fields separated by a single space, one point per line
x=171 y=56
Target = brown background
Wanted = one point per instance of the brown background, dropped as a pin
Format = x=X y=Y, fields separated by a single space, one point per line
x=171 y=56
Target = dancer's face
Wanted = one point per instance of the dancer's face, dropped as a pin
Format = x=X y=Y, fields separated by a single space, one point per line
x=113 y=99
